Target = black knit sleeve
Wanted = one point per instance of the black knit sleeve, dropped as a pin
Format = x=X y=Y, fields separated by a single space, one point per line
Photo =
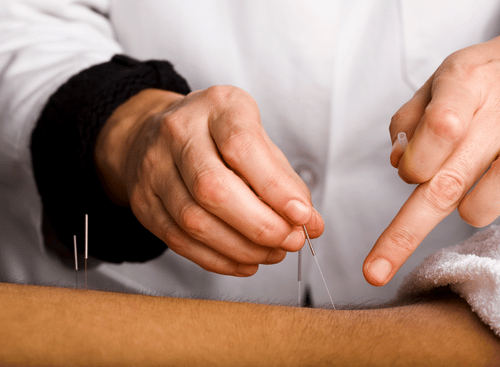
x=62 y=149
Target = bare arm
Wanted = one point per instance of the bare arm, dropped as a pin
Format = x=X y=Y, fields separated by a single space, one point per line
x=57 y=326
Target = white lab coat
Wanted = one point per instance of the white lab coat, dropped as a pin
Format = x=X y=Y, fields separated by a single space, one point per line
x=327 y=76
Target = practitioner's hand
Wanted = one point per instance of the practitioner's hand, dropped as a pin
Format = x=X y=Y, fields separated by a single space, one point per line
x=201 y=174
x=453 y=128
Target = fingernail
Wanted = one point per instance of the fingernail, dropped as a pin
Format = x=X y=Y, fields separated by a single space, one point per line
x=297 y=212
x=294 y=241
x=380 y=269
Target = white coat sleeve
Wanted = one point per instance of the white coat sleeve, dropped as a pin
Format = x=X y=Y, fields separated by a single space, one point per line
x=471 y=269
x=42 y=44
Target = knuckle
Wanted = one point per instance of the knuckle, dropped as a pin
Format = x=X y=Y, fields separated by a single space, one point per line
x=445 y=190
x=209 y=188
x=235 y=147
x=272 y=186
x=193 y=220
x=232 y=104
x=250 y=258
x=220 y=94
x=137 y=203
x=464 y=65
x=458 y=64
x=403 y=241
x=169 y=233
x=220 y=264
x=266 y=234
x=445 y=122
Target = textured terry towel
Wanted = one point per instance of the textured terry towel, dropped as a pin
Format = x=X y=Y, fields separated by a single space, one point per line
x=471 y=269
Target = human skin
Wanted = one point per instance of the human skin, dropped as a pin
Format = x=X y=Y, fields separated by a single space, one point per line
x=62 y=327
x=200 y=173
x=452 y=124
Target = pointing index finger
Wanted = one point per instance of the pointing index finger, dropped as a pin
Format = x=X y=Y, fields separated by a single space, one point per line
x=428 y=205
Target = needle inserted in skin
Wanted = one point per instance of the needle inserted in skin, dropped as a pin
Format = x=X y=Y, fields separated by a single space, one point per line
x=299 y=274
x=317 y=263
x=76 y=261
x=86 y=246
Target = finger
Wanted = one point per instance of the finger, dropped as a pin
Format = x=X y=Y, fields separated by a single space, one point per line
x=429 y=203
x=206 y=227
x=481 y=205
x=150 y=211
x=316 y=225
x=441 y=128
x=241 y=142
x=221 y=192
x=407 y=118
x=398 y=148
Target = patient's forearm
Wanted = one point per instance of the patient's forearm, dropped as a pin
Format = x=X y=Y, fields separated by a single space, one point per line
x=54 y=326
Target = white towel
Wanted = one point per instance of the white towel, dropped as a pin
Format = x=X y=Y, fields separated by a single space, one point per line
x=471 y=269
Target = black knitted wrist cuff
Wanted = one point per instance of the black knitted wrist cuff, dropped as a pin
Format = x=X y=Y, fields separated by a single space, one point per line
x=62 y=148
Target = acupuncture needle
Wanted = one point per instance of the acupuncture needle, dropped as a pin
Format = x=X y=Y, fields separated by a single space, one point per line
x=299 y=274
x=86 y=246
x=317 y=263
x=76 y=261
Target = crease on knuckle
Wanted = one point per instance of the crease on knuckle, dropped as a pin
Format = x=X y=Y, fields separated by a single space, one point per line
x=170 y=234
x=403 y=241
x=235 y=147
x=139 y=205
x=193 y=220
x=136 y=200
x=247 y=257
x=266 y=234
x=445 y=190
x=272 y=186
x=209 y=188
x=220 y=264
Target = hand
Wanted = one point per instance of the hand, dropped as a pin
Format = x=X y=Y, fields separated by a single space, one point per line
x=201 y=174
x=453 y=128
